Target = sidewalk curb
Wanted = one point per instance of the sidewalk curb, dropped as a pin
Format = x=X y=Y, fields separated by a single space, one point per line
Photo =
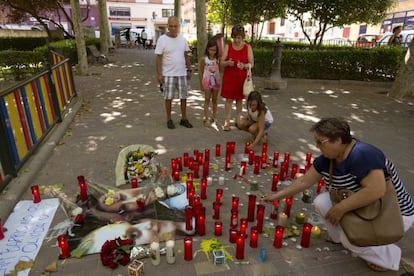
x=14 y=191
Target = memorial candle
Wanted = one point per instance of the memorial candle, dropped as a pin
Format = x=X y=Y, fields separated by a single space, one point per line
x=201 y=224
x=275 y=159
x=218 y=228
x=275 y=209
x=188 y=218
x=35 y=194
x=174 y=165
x=240 y=240
x=251 y=157
x=219 y=195
x=185 y=159
x=203 y=193
x=287 y=158
x=227 y=162
x=63 y=247
x=179 y=162
x=232 y=235
x=234 y=219
x=275 y=180
x=243 y=225
x=189 y=187
x=176 y=176
x=218 y=149
x=83 y=189
x=306 y=233
x=207 y=155
x=216 y=210
x=206 y=166
x=134 y=182
x=278 y=239
x=197 y=200
x=191 y=163
x=288 y=207
x=256 y=168
x=282 y=219
x=320 y=186
x=1 y=230
x=155 y=253
x=264 y=151
x=196 y=170
x=251 y=207
x=243 y=165
x=254 y=235
x=188 y=248
x=293 y=171
x=234 y=203
x=246 y=147
x=260 y=217
x=209 y=181
x=170 y=252
x=200 y=158
x=264 y=161
x=232 y=147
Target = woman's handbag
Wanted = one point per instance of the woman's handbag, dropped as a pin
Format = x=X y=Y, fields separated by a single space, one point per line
x=248 y=83
x=378 y=223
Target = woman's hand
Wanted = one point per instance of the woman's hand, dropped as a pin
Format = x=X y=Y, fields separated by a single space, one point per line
x=270 y=197
x=335 y=214
x=229 y=63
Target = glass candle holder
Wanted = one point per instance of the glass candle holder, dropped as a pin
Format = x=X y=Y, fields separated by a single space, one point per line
x=278 y=239
x=218 y=149
x=134 y=182
x=63 y=247
x=254 y=236
x=251 y=157
x=251 y=207
x=240 y=240
x=218 y=228
x=203 y=189
x=288 y=207
x=260 y=217
x=232 y=235
x=275 y=180
x=35 y=193
x=188 y=248
x=170 y=252
x=188 y=218
x=234 y=202
x=216 y=210
x=275 y=209
x=219 y=195
x=275 y=159
x=306 y=234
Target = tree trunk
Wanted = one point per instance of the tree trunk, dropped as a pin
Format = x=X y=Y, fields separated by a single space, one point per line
x=403 y=85
x=201 y=27
x=80 y=38
x=177 y=10
x=105 y=37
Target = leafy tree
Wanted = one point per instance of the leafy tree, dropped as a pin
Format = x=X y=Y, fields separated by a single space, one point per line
x=255 y=12
x=219 y=12
x=336 y=13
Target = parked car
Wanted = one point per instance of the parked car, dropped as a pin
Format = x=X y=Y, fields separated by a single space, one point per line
x=338 y=41
x=367 y=40
x=407 y=36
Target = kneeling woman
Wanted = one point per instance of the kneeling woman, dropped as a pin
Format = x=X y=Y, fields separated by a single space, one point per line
x=258 y=119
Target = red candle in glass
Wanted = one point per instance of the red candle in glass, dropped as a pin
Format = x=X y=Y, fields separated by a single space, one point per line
x=179 y=162
x=228 y=148
x=243 y=225
x=174 y=165
x=134 y=182
x=243 y=165
x=35 y=194
x=191 y=163
x=264 y=150
x=256 y=168
x=234 y=203
x=203 y=193
x=188 y=218
x=287 y=158
x=1 y=230
x=200 y=158
x=288 y=203
x=246 y=147
x=232 y=235
x=176 y=176
x=188 y=248
x=232 y=147
x=282 y=172
x=320 y=186
x=189 y=187
x=275 y=209
x=218 y=149
x=197 y=200
x=240 y=240
x=251 y=157
x=227 y=163
x=308 y=158
x=278 y=239
x=306 y=234
x=234 y=219
x=219 y=195
x=254 y=236
x=201 y=224
x=275 y=180
x=190 y=176
x=206 y=165
x=260 y=217
x=206 y=155
x=264 y=161
x=196 y=170
x=63 y=246
x=216 y=210
x=218 y=228
x=251 y=207
x=293 y=171
x=185 y=159
x=275 y=159
x=82 y=188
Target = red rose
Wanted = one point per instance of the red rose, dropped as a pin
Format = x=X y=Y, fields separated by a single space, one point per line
x=116 y=251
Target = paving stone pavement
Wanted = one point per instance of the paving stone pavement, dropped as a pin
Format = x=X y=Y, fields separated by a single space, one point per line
x=121 y=105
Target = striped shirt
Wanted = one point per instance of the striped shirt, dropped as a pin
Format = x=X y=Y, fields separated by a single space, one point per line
x=360 y=161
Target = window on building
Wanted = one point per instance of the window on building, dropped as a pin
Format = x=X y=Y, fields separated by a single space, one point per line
x=271 y=28
x=167 y=12
x=282 y=21
x=119 y=11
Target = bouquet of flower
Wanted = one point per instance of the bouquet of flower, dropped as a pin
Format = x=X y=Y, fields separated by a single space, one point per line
x=116 y=252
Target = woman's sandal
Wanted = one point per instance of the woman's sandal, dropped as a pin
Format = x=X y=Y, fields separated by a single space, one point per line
x=226 y=127
x=376 y=267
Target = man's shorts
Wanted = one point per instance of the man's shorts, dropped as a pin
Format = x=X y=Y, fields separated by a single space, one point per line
x=173 y=84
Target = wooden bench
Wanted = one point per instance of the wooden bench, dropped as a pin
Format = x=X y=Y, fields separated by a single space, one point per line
x=94 y=52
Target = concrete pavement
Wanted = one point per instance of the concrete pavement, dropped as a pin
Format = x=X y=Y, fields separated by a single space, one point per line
x=120 y=104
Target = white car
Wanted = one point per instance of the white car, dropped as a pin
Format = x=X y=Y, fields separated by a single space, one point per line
x=407 y=36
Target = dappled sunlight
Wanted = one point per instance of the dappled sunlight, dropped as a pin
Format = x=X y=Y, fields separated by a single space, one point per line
x=160 y=149
x=129 y=126
x=108 y=117
x=305 y=117
x=92 y=144
x=357 y=118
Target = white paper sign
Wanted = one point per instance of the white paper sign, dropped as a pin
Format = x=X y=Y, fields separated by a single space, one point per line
x=26 y=228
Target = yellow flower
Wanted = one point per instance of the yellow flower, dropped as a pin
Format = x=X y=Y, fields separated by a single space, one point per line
x=109 y=199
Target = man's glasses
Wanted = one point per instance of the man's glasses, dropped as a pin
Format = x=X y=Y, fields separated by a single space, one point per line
x=321 y=142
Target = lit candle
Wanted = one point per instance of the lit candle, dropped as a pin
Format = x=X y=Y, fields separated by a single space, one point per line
x=300 y=218
x=216 y=209
x=246 y=147
x=243 y=165
x=206 y=166
x=174 y=165
x=82 y=187
x=232 y=235
x=1 y=230
x=189 y=186
x=196 y=170
x=234 y=219
x=251 y=157
x=275 y=180
x=316 y=232
x=256 y=168
x=243 y=225
x=190 y=162
x=218 y=147
x=201 y=224
x=320 y=186
x=176 y=176
x=306 y=233
x=185 y=159
x=260 y=217
x=179 y=161
x=264 y=152
x=287 y=158
x=264 y=161
x=188 y=218
x=155 y=253
x=288 y=203
x=197 y=200
x=308 y=158
x=219 y=195
x=207 y=155
x=170 y=254
x=203 y=193
x=293 y=171
x=275 y=159
x=134 y=182
x=63 y=247
x=188 y=248
x=282 y=219
x=218 y=228
x=254 y=235
x=240 y=246
x=35 y=194
x=221 y=180
x=210 y=181
x=234 y=202
x=228 y=162
x=251 y=207
x=278 y=239
x=228 y=149
x=200 y=158
x=275 y=209
x=232 y=147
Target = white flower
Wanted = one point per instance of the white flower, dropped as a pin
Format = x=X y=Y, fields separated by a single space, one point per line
x=77 y=211
x=159 y=193
x=171 y=190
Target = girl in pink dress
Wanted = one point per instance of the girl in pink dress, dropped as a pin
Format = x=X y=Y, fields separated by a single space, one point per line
x=237 y=58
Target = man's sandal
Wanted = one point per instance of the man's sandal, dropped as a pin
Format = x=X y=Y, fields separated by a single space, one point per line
x=376 y=267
